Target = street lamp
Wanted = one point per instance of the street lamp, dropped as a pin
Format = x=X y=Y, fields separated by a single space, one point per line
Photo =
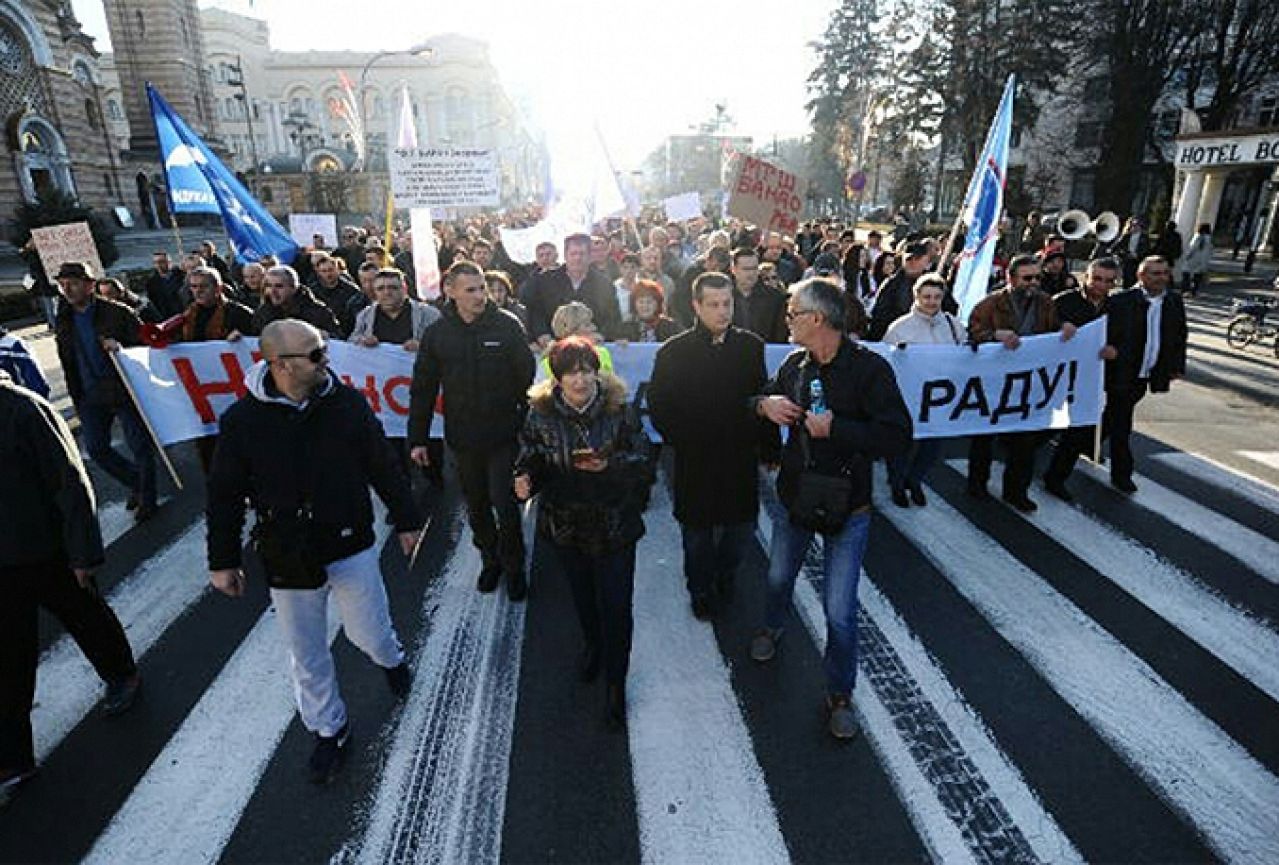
x=422 y=49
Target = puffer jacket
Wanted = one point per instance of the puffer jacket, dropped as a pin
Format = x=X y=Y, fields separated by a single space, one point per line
x=595 y=512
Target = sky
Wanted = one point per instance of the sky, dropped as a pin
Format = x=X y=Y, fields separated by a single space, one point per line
x=641 y=70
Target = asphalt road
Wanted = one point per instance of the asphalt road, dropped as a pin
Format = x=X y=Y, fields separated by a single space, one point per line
x=1089 y=684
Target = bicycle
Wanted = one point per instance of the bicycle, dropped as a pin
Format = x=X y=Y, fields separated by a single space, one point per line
x=1249 y=324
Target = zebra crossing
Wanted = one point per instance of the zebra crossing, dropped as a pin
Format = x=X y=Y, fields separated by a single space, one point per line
x=1095 y=682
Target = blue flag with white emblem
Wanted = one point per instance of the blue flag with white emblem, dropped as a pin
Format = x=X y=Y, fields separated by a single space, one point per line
x=983 y=206
x=199 y=183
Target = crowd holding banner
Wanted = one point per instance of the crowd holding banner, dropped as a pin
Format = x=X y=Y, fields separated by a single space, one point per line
x=950 y=391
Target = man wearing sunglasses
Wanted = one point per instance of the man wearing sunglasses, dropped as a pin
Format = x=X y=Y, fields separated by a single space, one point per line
x=305 y=448
x=1005 y=316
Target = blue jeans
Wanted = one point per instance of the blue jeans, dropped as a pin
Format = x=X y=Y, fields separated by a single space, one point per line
x=137 y=474
x=712 y=554
x=841 y=566
x=911 y=468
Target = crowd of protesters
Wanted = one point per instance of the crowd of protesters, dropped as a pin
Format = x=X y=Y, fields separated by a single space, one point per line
x=712 y=295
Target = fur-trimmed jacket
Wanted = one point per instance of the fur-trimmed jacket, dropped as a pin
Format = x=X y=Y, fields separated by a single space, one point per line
x=595 y=512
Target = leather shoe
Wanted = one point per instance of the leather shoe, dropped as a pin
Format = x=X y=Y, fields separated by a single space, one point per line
x=978 y=491
x=899 y=498
x=1021 y=502
x=489 y=577
x=1124 y=485
x=588 y=664
x=917 y=495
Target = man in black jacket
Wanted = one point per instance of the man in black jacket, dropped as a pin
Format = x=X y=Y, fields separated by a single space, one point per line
x=757 y=307
x=700 y=399
x=1080 y=306
x=479 y=354
x=896 y=296
x=1147 y=327
x=304 y=449
x=284 y=298
x=576 y=280
x=718 y=259
x=164 y=286
x=337 y=291
x=860 y=417
x=88 y=327
x=49 y=549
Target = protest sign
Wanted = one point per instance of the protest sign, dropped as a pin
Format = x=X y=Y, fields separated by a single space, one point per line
x=767 y=196
x=439 y=178
x=72 y=241
x=949 y=390
x=304 y=226
x=678 y=208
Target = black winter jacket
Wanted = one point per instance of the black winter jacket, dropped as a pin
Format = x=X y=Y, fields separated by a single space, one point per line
x=276 y=455
x=700 y=399
x=1126 y=331
x=871 y=419
x=111 y=320
x=547 y=291
x=595 y=512
x=47 y=509
x=303 y=306
x=485 y=369
x=344 y=300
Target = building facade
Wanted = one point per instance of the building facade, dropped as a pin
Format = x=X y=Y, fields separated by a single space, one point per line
x=52 y=102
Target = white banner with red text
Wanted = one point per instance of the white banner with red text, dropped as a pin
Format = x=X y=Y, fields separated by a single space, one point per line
x=1046 y=383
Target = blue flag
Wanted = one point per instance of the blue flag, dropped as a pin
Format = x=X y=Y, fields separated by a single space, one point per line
x=983 y=206
x=199 y=183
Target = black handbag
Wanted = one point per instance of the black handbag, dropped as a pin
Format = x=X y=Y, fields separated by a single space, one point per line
x=823 y=503
x=285 y=543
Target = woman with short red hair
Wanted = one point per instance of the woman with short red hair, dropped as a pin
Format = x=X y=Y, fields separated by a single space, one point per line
x=648 y=321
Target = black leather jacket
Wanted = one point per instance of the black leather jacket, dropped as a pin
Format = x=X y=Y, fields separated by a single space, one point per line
x=596 y=512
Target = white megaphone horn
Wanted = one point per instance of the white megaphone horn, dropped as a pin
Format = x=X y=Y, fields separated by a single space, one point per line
x=1073 y=224
x=1106 y=227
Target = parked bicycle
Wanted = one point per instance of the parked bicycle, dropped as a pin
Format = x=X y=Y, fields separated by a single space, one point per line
x=1249 y=324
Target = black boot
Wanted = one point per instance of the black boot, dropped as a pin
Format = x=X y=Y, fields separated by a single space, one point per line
x=489 y=576
x=615 y=708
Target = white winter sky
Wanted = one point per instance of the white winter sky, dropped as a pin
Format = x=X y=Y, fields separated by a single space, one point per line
x=642 y=70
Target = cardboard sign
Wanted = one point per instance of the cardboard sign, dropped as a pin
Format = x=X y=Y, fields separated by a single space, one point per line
x=436 y=178
x=304 y=226
x=767 y=196
x=58 y=244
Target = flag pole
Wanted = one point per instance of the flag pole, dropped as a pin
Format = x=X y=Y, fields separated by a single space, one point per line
x=146 y=422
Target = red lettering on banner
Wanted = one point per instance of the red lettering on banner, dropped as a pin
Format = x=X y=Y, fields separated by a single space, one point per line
x=388 y=393
x=200 y=391
x=369 y=390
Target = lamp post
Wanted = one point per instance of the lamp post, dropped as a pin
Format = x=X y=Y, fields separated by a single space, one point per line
x=422 y=49
x=243 y=97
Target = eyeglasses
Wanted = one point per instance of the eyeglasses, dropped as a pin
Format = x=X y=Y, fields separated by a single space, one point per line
x=315 y=355
x=791 y=316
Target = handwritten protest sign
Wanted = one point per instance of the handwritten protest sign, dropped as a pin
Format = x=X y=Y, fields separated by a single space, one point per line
x=304 y=226
x=438 y=178
x=765 y=195
x=58 y=244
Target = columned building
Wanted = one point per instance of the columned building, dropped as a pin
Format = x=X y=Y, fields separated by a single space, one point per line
x=52 y=107
x=1208 y=162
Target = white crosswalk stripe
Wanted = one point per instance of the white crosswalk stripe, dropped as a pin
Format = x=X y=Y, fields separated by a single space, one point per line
x=701 y=792
x=1234 y=636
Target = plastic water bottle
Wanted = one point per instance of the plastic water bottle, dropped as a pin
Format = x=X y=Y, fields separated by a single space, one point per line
x=816 y=397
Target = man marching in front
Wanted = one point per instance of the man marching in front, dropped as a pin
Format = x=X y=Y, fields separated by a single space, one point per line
x=844 y=411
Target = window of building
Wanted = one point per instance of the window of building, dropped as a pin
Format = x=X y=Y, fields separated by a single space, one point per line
x=1088 y=133
x=91 y=113
x=1167 y=123
x=142 y=23
x=106 y=181
x=113 y=110
x=1083 y=189
x=1014 y=139
x=1268 y=113
x=80 y=72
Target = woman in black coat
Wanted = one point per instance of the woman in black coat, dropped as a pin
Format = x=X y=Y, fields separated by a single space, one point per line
x=583 y=450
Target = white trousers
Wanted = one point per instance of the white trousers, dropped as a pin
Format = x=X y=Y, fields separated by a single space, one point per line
x=355 y=584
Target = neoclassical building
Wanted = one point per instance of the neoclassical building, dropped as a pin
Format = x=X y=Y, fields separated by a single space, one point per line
x=52 y=102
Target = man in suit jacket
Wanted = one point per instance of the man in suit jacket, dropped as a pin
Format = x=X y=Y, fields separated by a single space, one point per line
x=1147 y=327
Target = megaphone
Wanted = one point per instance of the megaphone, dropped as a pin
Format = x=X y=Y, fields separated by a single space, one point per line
x=160 y=335
x=1073 y=224
x=1106 y=227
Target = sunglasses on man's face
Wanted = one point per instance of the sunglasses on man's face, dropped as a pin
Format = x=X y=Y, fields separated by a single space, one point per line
x=315 y=355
